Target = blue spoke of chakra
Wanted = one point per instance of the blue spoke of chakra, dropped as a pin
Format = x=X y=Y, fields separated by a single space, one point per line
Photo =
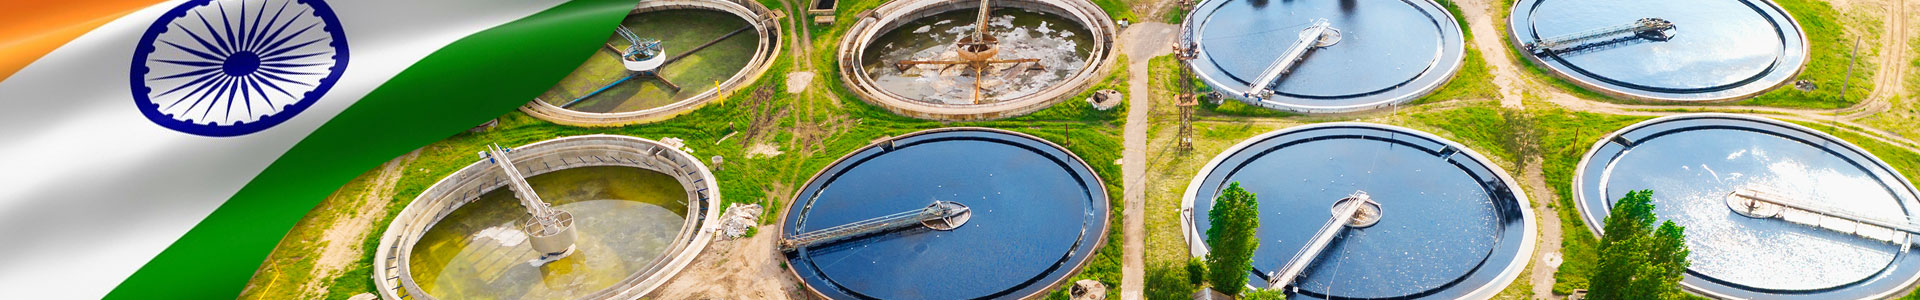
x=190 y=63
x=282 y=28
x=197 y=90
x=271 y=24
x=186 y=74
x=275 y=87
x=275 y=77
x=196 y=37
x=206 y=88
x=226 y=22
x=195 y=53
x=224 y=88
x=290 y=57
x=194 y=83
x=282 y=41
x=211 y=32
x=255 y=83
x=279 y=51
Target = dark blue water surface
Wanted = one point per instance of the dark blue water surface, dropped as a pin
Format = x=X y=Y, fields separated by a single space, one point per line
x=1692 y=163
x=1719 y=45
x=1385 y=45
x=1037 y=213
x=1449 y=224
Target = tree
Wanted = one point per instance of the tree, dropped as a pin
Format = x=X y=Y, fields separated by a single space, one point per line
x=1637 y=260
x=1234 y=219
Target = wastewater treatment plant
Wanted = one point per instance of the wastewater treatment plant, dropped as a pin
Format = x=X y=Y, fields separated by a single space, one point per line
x=1094 y=149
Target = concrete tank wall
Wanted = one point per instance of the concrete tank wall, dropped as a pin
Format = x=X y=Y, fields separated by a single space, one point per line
x=392 y=274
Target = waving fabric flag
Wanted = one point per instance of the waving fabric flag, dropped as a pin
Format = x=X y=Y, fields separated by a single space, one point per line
x=161 y=150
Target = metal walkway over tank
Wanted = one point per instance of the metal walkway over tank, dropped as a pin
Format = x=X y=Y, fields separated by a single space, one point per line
x=550 y=230
x=1320 y=34
x=1762 y=203
x=941 y=215
x=1655 y=29
x=1355 y=211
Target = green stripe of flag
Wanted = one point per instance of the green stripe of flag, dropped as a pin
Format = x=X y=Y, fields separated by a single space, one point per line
x=474 y=79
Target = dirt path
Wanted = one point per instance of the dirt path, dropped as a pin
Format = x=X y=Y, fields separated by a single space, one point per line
x=736 y=269
x=344 y=236
x=1479 y=16
x=1547 y=258
x=1141 y=42
x=1889 y=80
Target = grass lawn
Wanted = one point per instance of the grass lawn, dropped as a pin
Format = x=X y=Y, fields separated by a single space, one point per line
x=1830 y=36
x=1562 y=137
x=1903 y=118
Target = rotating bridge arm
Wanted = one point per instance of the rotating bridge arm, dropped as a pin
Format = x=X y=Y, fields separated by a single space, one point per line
x=1761 y=203
x=1650 y=28
x=1310 y=39
x=1357 y=210
x=941 y=215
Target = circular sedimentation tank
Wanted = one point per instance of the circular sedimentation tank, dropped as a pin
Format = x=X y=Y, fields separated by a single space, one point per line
x=715 y=47
x=1038 y=213
x=640 y=209
x=1378 y=53
x=1071 y=43
x=1713 y=50
x=1694 y=164
x=1444 y=222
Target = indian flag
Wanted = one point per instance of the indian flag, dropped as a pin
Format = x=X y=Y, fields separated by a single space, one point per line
x=161 y=150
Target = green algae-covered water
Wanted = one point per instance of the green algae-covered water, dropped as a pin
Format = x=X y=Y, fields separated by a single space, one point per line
x=679 y=31
x=626 y=217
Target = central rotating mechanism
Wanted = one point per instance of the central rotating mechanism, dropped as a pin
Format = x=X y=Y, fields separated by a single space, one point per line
x=642 y=55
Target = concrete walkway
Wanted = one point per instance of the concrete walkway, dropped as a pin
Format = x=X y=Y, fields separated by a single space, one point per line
x=1141 y=42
